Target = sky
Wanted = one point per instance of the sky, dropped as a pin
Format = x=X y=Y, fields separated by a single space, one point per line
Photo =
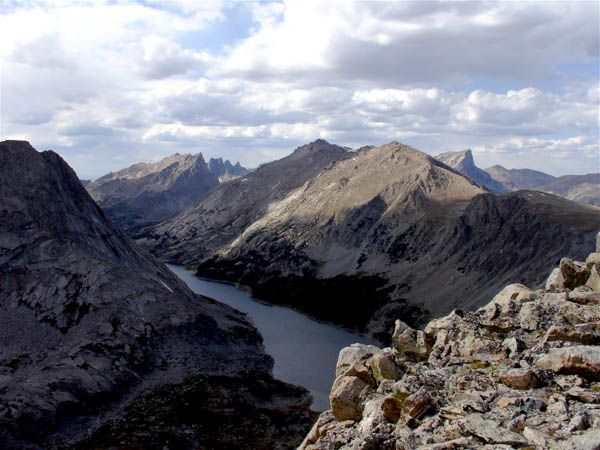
x=107 y=83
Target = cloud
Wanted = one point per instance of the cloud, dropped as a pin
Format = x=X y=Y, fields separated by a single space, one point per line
x=162 y=58
x=108 y=83
x=412 y=42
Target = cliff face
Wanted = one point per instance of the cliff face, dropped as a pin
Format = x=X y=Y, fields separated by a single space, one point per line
x=147 y=193
x=521 y=372
x=98 y=338
x=391 y=232
x=463 y=162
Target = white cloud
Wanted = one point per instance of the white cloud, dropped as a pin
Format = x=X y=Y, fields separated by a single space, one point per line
x=109 y=83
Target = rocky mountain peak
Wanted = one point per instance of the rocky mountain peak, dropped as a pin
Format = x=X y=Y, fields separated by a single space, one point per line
x=522 y=371
x=226 y=171
x=464 y=163
x=147 y=193
x=319 y=145
x=461 y=159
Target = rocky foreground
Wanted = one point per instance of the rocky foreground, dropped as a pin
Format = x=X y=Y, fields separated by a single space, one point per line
x=520 y=372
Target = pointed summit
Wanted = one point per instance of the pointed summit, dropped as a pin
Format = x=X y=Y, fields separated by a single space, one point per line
x=464 y=163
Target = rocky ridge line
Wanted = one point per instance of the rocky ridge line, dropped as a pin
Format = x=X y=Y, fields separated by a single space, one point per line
x=521 y=372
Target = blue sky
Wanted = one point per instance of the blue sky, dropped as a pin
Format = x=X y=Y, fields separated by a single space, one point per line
x=110 y=83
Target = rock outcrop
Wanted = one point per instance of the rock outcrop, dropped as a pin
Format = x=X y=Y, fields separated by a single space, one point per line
x=521 y=372
x=148 y=193
x=384 y=232
x=463 y=162
x=101 y=345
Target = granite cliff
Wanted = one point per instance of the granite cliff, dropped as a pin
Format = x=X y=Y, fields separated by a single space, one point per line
x=102 y=346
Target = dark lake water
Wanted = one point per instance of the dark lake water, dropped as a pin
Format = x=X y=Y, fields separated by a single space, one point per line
x=305 y=350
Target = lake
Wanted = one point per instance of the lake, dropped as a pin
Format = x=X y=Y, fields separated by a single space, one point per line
x=305 y=350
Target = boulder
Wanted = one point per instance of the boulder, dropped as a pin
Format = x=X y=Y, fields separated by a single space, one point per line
x=593 y=280
x=574 y=273
x=410 y=343
x=581 y=360
x=384 y=366
x=507 y=301
x=345 y=397
x=555 y=280
x=356 y=353
x=580 y=335
x=492 y=433
x=519 y=378
x=590 y=440
x=593 y=258
x=416 y=405
x=583 y=395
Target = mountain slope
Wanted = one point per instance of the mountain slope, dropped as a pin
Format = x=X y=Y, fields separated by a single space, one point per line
x=389 y=232
x=580 y=188
x=463 y=162
x=91 y=327
x=227 y=210
x=148 y=193
x=519 y=178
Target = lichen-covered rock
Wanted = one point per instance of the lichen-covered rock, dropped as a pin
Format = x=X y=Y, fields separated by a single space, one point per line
x=384 y=366
x=574 y=273
x=411 y=343
x=521 y=372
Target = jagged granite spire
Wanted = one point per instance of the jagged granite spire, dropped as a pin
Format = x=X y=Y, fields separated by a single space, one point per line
x=463 y=162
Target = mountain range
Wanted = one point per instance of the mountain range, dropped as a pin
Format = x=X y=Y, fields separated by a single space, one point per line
x=149 y=193
x=359 y=238
x=580 y=188
x=102 y=346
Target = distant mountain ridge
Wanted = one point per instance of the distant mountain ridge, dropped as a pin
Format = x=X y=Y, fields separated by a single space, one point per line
x=149 y=193
x=581 y=188
x=464 y=163
x=515 y=179
x=497 y=179
x=230 y=208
